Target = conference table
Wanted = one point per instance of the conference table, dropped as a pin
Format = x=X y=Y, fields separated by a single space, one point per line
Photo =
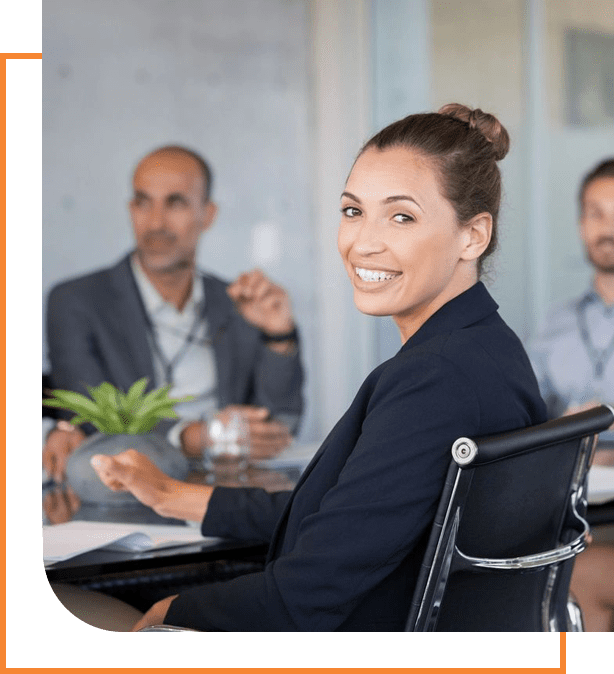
x=601 y=486
x=142 y=578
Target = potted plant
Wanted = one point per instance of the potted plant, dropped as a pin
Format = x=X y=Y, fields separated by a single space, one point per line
x=123 y=420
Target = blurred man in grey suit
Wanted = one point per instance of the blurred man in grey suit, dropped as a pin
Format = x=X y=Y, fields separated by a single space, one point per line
x=231 y=346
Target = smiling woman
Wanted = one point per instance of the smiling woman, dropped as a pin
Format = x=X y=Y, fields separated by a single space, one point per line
x=419 y=213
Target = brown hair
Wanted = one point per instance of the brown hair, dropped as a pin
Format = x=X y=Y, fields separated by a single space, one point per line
x=603 y=170
x=464 y=146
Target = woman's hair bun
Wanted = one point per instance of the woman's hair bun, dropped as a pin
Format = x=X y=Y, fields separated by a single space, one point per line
x=488 y=125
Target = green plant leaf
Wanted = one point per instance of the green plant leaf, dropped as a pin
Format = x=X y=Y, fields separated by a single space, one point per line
x=147 y=425
x=148 y=406
x=114 y=424
x=84 y=415
x=52 y=402
x=113 y=412
x=104 y=404
x=167 y=413
x=76 y=401
x=135 y=392
x=100 y=426
x=105 y=395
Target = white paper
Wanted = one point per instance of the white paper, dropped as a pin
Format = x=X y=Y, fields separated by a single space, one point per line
x=600 y=484
x=63 y=541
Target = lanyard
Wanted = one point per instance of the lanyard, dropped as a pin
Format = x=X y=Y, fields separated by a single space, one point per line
x=169 y=365
x=599 y=357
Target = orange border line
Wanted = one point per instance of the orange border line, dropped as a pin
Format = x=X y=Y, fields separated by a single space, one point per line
x=255 y=670
x=4 y=57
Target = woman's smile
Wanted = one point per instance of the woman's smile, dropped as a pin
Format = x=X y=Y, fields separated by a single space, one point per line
x=372 y=276
x=399 y=238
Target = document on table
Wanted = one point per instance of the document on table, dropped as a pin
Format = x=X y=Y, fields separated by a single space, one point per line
x=63 y=541
x=600 y=484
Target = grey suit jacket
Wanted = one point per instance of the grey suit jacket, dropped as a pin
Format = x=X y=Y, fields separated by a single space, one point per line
x=97 y=331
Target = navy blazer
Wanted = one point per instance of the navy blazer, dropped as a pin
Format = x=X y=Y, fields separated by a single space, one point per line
x=97 y=331
x=346 y=544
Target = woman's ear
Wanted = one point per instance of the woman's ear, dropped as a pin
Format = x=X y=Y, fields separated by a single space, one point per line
x=477 y=236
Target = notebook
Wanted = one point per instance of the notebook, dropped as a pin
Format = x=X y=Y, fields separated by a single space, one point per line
x=63 y=541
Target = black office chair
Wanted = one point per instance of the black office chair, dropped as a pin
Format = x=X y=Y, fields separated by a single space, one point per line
x=509 y=525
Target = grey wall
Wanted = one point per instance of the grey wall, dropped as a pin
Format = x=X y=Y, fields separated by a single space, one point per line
x=228 y=78
x=279 y=95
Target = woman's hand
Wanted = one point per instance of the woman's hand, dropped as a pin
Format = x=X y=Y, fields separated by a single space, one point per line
x=155 y=615
x=134 y=472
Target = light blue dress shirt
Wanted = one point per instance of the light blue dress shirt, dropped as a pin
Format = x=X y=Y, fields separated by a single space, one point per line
x=194 y=372
x=573 y=354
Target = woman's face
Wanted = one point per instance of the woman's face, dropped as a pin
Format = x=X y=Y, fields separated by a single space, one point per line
x=399 y=239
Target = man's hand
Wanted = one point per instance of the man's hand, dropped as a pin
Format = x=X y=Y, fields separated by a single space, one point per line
x=61 y=443
x=267 y=436
x=60 y=505
x=155 y=615
x=134 y=472
x=581 y=407
x=262 y=303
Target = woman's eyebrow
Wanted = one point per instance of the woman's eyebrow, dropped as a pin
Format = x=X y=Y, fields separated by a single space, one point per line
x=387 y=200
x=349 y=195
x=402 y=197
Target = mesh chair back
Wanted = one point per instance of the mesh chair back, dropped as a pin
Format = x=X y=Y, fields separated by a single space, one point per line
x=509 y=523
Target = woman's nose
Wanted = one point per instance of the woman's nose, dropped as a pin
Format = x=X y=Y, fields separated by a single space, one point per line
x=369 y=239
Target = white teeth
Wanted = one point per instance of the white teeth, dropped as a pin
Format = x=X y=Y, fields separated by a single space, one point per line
x=374 y=276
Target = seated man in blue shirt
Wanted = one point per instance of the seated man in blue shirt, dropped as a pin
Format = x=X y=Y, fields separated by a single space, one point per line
x=573 y=358
x=155 y=315
x=573 y=355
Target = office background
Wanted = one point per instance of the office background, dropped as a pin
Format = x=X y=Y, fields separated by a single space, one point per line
x=279 y=95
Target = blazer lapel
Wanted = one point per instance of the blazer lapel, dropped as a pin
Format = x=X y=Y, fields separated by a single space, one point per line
x=129 y=312
x=218 y=312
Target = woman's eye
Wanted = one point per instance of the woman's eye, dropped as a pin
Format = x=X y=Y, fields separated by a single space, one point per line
x=403 y=218
x=350 y=212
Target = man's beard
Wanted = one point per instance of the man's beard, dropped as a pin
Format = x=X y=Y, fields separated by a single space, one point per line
x=163 y=266
x=594 y=257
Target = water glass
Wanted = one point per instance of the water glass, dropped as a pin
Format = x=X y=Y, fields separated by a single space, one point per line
x=227 y=451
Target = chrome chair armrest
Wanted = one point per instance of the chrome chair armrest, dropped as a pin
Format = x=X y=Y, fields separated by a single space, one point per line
x=538 y=560
x=166 y=628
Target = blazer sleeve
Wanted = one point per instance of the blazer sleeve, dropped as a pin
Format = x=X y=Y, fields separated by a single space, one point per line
x=243 y=513
x=73 y=355
x=367 y=524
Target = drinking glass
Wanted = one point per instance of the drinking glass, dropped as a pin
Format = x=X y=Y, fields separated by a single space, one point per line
x=227 y=450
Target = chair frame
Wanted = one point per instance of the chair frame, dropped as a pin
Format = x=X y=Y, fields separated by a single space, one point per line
x=443 y=557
